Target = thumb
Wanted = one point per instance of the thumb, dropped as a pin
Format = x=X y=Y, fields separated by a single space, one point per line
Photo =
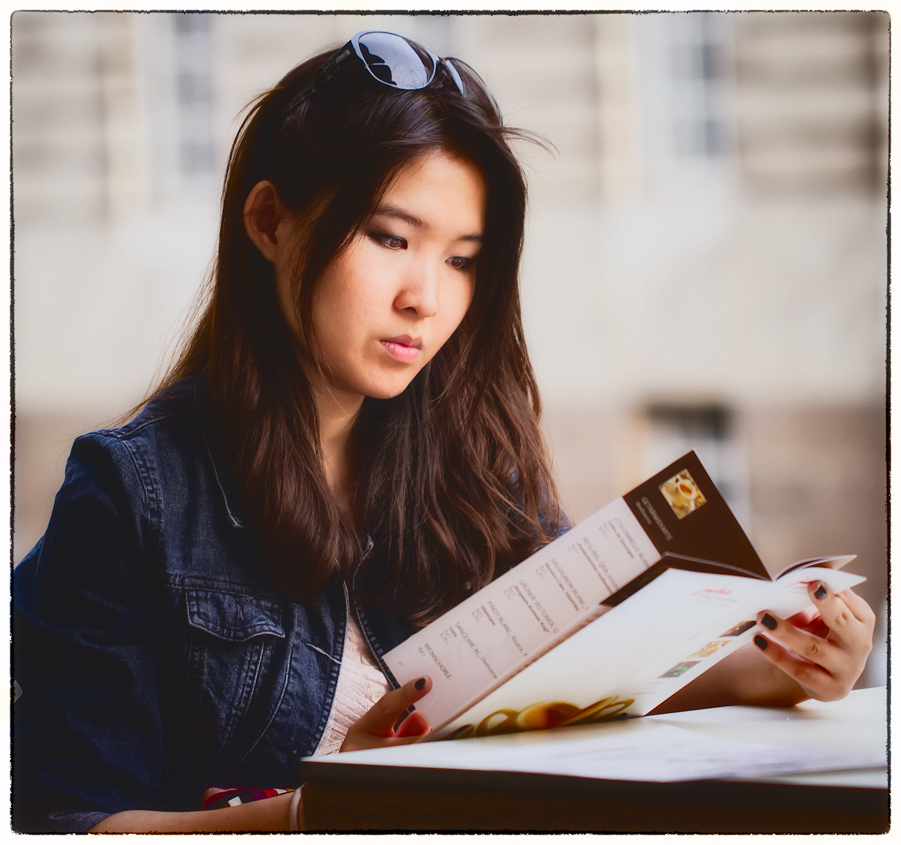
x=387 y=711
x=377 y=725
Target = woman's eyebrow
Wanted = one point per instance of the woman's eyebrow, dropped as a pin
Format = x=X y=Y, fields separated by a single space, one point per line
x=399 y=214
x=415 y=222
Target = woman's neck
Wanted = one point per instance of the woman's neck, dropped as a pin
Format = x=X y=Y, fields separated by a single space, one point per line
x=337 y=416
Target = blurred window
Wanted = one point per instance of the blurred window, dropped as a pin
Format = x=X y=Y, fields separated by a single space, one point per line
x=699 y=62
x=194 y=92
x=686 y=88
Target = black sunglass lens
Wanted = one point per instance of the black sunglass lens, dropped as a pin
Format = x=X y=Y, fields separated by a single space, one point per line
x=454 y=74
x=394 y=61
x=377 y=66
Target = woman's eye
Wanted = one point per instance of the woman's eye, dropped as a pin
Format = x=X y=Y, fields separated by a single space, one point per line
x=388 y=241
x=459 y=262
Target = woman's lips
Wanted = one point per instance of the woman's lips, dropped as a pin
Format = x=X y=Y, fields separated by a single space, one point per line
x=404 y=349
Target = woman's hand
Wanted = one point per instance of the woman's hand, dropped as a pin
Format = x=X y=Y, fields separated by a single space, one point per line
x=385 y=723
x=824 y=651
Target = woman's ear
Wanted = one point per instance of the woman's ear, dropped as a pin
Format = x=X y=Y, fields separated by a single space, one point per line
x=263 y=211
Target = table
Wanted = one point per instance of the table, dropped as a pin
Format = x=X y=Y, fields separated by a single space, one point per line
x=815 y=768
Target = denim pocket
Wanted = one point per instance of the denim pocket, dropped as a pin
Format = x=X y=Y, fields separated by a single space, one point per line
x=237 y=657
x=231 y=617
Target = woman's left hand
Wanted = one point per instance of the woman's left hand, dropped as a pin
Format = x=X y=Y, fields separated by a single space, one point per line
x=824 y=651
x=387 y=721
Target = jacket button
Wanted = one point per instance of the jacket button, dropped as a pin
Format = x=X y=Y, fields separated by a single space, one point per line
x=375 y=695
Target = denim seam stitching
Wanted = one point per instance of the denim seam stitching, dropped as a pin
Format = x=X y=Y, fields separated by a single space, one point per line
x=322 y=652
x=278 y=705
x=331 y=685
x=149 y=488
x=251 y=671
x=196 y=620
x=228 y=588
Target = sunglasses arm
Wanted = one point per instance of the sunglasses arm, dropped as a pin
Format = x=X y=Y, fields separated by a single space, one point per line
x=323 y=75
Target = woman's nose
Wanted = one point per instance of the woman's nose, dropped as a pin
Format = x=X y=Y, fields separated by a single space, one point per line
x=420 y=290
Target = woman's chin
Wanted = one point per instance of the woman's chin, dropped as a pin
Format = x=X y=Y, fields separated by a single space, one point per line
x=387 y=393
x=388 y=390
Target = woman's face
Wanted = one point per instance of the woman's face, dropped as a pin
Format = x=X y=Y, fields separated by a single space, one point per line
x=387 y=304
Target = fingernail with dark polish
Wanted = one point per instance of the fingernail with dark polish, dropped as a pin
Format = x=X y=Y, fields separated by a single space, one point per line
x=768 y=621
x=761 y=643
x=420 y=683
x=820 y=592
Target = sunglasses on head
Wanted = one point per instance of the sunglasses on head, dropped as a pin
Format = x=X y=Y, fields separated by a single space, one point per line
x=390 y=59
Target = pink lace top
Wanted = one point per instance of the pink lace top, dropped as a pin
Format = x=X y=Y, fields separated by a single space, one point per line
x=360 y=685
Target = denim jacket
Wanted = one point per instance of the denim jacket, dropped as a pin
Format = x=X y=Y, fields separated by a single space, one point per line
x=155 y=654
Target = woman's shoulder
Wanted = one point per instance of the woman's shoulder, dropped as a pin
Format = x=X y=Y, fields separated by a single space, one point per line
x=174 y=410
x=158 y=479
x=169 y=427
x=161 y=448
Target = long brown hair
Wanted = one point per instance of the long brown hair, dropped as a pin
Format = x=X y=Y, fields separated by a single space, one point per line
x=452 y=482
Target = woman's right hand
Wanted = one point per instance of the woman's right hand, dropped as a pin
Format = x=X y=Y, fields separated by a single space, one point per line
x=384 y=724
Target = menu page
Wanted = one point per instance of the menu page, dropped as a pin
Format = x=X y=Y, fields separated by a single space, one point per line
x=639 y=653
x=497 y=631
x=507 y=625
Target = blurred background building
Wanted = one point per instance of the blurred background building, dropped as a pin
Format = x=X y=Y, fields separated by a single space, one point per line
x=706 y=263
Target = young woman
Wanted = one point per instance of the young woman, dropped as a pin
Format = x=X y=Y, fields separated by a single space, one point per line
x=347 y=447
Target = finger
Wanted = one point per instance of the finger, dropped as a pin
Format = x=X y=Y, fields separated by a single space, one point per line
x=414 y=725
x=388 y=710
x=389 y=741
x=813 y=678
x=858 y=607
x=809 y=646
x=842 y=659
x=844 y=625
x=809 y=620
x=805 y=617
x=826 y=666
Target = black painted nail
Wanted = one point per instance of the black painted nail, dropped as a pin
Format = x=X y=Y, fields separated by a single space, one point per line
x=768 y=622
x=761 y=643
x=820 y=592
x=420 y=683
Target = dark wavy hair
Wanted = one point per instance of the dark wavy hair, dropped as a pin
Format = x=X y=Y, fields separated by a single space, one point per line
x=451 y=478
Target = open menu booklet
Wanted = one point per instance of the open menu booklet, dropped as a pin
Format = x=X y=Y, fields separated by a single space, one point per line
x=610 y=619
